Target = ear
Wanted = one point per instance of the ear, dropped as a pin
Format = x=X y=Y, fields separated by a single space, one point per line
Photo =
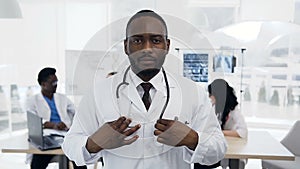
x=126 y=47
x=168 y=45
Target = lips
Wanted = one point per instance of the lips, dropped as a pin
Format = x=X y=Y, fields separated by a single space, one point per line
x=147 y=59
x=147 y=62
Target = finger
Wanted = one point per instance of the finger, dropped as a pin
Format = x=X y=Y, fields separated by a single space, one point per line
x=61 y=127
x=129 y=141
x=164 y=121
x=161 y=140
x=163 y=135
x=118 y=122
x=61 y=124
x=165 y=141
x=58 y=125
x=131 y=130
x=160 y=126
x=157 y=132
x=124 y=125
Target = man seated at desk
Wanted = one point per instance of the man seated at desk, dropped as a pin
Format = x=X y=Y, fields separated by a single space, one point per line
x=56 y=110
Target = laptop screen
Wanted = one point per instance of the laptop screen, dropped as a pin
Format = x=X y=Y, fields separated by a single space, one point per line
x=35 y=128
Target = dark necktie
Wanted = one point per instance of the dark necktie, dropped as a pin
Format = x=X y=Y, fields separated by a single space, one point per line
x=146 y=97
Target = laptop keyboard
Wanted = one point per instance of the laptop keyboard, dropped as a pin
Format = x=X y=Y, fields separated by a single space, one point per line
x=49 y=142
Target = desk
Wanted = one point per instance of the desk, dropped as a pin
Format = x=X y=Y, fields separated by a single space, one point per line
x=19 y=144
x=258 y=145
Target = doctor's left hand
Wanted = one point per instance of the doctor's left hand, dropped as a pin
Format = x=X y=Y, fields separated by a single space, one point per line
x=175 y=133
x=112 y=135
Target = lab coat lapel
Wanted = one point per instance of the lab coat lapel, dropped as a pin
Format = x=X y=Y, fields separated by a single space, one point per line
x=58 y=105
x=174 y=106
x=43 y=107
x=57 y=102
x=133 y=97
x=156 y=105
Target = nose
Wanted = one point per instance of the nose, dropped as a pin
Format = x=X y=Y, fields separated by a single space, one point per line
x=147 y=47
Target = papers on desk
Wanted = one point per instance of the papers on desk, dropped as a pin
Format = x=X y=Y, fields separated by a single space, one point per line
x=59 y=133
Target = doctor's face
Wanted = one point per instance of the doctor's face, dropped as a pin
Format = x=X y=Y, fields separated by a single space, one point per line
x=50 y=85
x=146 y=44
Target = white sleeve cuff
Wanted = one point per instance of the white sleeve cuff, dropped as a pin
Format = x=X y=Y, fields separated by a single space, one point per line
x=195 y=156
x=90 y=158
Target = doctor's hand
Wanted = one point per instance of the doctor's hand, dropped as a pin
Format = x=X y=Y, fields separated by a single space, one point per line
x=175 y=133
x=112 y=135
x=56 y=126
x=61 y=126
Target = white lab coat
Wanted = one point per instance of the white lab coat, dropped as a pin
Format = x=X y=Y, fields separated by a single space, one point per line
x=64 y=106
x=237 y=122
x=188 y=102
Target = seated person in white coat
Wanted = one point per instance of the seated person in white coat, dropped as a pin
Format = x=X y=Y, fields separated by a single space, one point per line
x=232 y=122
x=144 y=117
x=56 y=110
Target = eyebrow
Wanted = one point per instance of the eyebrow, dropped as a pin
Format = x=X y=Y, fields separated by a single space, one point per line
x=135 y=36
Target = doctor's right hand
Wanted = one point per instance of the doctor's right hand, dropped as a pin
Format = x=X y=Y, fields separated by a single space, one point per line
x=112 y=135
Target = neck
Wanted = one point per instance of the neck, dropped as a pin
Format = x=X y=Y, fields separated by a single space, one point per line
x=47 y=94
x=148 y=74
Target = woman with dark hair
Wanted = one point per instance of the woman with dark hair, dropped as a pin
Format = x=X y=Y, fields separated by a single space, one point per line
x=232 y=122
x=225 y=101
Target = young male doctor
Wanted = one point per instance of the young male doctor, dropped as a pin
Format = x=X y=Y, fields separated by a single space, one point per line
x=148 y=118
x=56 y=110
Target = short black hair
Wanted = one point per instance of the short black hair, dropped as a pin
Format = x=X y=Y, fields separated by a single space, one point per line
x=146 y=12
x=45 y=73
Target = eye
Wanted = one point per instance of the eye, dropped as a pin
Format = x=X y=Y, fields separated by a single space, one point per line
x=156 y=40
x=136 y=41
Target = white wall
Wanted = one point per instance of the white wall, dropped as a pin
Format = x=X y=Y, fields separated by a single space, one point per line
x=35 y=41
x=83 y=20
x=49 y=27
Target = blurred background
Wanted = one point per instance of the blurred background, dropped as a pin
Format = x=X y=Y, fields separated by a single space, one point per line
x=262 y=36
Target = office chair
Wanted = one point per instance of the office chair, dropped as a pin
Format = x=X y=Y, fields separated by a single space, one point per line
x=291 y=142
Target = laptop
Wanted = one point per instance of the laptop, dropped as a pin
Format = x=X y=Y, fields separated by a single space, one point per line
x=36 y=135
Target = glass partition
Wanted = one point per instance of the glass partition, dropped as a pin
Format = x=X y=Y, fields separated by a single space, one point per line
x=270 y=78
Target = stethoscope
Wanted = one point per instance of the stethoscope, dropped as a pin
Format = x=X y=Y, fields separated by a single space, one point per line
x=167 y=85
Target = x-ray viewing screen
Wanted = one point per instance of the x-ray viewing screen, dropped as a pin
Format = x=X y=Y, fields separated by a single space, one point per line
x=222 y=63
x=195 y=66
